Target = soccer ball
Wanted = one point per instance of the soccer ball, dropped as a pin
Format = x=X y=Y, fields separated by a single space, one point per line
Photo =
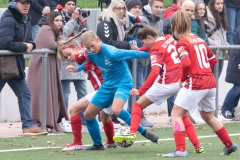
x=124 y=143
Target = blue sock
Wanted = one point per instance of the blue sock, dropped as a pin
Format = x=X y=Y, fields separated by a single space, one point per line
x=126 y=117
x=93 y=129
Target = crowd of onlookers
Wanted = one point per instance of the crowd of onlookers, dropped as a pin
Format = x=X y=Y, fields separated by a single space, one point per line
x=35 y=24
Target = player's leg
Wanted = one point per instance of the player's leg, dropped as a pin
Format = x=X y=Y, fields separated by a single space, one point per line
x=108 y=127
x=207 y=107
x=76 y=122
x=121 y=96
x=180 y=109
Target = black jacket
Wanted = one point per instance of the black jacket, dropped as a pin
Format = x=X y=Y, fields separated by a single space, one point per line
x=233 y=4
x=107 y=31
x=35 y=11
x=12 y=31
x=233 y=73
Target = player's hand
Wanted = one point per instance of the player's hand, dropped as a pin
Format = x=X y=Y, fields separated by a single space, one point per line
x=29 y=47
x=238 y=66
x=134 y=92
x=75 y=15
x=71 y=68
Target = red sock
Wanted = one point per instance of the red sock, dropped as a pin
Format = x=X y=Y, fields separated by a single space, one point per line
x=223 y=135
x=191 y=132
x=76 y=123
x=180 y=141
x=136 y=117
x=109 y=131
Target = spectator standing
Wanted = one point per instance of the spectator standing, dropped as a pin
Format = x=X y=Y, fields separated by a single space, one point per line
x=199 y=22
x=37 y=9
x=233 y=18
x=134 y=8
x=216 y=12
x=111 y=29
x=16 y=18
x=73 y=23
x=233 y=75
x=56 y=109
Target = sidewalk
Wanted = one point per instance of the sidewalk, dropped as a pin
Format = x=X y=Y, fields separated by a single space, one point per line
x=14 y=129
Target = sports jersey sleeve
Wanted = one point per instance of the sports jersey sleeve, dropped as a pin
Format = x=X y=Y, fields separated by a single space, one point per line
x=183 y=50
x=121 y=54
x=81 y=67
x=211 y=57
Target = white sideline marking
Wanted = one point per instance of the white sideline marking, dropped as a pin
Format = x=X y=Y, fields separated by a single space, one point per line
x=165 y=139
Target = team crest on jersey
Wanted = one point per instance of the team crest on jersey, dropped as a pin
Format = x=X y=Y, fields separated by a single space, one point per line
x=108 y=62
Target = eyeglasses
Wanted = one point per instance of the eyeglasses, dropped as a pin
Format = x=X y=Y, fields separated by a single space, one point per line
x=119 y=8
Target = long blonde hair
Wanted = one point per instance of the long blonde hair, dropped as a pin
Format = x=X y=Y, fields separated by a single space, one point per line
x=68 y=42
x=181 y=25
x=109 y=13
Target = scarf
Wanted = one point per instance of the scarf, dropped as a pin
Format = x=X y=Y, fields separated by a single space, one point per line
x=120 y=27
x=136 y=18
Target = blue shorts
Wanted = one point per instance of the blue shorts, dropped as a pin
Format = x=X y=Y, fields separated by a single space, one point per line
x=106 y=94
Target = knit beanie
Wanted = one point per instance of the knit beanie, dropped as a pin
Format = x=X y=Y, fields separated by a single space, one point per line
x=63 y=2
x=132 y=3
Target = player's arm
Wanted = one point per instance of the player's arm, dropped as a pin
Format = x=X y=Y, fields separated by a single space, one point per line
x=185 y=60
x=156 y=65
x=211 y=57
x=121 y=54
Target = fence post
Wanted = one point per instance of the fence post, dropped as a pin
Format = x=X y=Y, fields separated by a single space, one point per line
x=134 y=75
x=44 y=91
x=216 y=75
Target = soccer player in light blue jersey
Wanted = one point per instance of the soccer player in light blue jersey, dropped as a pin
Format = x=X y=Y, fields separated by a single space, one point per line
x=116 y=86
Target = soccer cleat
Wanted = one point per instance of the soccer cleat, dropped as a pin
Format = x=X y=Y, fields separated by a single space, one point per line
x=129 y=137
x=176 y=154
x=145 y=123
x=150 y=135
x=228 y=151
x=112 y=145
x=200 y=150
x=73 y=147
x=95 y=148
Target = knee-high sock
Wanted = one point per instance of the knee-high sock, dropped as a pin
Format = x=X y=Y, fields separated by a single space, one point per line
x=126 y=117
x=76 y=124
x=223 y=135
x=191 y=132
x=180 y=140
x=136 y=117
x=93 y=129
x=109 y=131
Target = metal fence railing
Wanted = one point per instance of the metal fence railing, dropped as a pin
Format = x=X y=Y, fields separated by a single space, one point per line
x=45 y=53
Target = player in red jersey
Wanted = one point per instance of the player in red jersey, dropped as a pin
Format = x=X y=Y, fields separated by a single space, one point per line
x=166 y=64
x=78 y=55
x=198 y=86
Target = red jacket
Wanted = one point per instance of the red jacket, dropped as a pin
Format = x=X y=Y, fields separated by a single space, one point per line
x=170 y=11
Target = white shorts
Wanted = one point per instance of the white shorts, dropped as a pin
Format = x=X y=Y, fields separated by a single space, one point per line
x=191 y=99
x=158 y=93
x=106 y=110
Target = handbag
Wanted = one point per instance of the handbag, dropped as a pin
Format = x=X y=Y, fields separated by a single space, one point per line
x=8 y=64
x=8 y=67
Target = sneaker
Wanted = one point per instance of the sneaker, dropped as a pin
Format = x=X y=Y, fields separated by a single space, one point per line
x=200 y=150
x=34 y=131
x=129 y=137
x=146 y=123
x=95 y=148
x=175 y=154
x=151 y=136
x=73 y=147
x=169 y=121
x=226 y=115
x=111 y=145
x=228 y=151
